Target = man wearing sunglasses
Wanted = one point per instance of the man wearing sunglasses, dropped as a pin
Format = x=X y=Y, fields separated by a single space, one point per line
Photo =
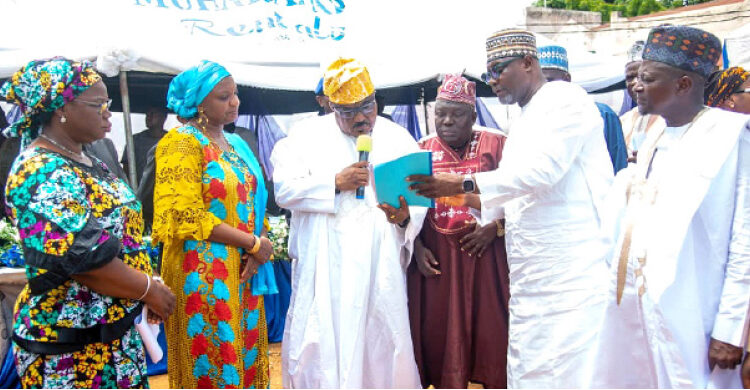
x=348 y=321
x=551 y=184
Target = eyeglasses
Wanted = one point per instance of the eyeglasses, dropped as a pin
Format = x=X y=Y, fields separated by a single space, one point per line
x=496 y=70
x=350 y=112
x=104 y=106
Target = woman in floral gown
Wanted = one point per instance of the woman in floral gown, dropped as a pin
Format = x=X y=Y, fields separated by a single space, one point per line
x=209 y=206
x=80 y=228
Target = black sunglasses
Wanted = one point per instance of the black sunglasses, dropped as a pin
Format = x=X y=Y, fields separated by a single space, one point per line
x=495 y=70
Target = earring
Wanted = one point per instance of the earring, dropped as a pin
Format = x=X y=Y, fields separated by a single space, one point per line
x=731 y=104
x=63 y=120
x=201 y=118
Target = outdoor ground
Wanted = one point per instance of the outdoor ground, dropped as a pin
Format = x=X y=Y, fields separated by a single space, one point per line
x=162 y=381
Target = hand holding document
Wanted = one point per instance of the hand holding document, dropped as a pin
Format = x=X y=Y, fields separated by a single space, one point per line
x=390 y=179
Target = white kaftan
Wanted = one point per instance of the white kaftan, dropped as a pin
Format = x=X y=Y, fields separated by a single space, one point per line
x=635 y=127
x=348 y=323
x=552 y=181
x=688 y=264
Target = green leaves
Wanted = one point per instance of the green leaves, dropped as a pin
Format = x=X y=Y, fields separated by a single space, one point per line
x=279 y=236
x=627 y=8
x=8 y=235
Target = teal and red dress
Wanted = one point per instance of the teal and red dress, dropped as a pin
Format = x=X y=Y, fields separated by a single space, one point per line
x=217 y=336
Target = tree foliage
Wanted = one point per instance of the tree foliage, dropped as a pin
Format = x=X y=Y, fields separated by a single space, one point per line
x=627 y=8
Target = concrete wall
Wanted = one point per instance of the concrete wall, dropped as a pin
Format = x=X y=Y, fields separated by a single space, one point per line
x=615 y=38
x=539 y=19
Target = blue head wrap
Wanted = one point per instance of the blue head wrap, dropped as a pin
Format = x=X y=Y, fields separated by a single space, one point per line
x=188 y=89
x=553 y=57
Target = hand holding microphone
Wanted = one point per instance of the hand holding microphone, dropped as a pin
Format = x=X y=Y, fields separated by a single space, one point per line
x=364 y=146
x=356 y=175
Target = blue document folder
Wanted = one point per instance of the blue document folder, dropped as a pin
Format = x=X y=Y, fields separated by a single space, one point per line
x=390 y=179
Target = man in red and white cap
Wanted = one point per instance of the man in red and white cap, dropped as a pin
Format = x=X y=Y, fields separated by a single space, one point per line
x=458 y=282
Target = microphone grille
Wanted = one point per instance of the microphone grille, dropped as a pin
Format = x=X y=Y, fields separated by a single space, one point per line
x=364 y=143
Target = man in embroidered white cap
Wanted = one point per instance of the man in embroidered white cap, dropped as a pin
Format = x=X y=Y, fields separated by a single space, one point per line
x=348 y=321
x=551 y=181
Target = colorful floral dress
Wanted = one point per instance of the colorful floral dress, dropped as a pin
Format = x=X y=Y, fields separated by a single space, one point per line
x=73 y=218
x=217 y=336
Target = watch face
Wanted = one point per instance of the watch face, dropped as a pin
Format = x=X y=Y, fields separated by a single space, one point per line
x=468 y=185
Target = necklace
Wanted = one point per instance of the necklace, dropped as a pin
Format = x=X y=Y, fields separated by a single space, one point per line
x=78 y=155
x=223 y=147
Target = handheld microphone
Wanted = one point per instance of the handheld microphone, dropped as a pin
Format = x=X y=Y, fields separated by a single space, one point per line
x=364 y=146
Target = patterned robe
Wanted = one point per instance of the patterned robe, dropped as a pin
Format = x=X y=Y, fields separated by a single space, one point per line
x=72 y=219
x=217 y=336
x=459 y=319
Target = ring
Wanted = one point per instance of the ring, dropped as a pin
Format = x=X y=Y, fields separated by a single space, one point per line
x=393 y=217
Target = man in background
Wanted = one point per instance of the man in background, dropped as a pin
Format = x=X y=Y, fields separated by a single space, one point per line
x=635 y=124
x=554 y=63
x=145 y=140
x=322 y=99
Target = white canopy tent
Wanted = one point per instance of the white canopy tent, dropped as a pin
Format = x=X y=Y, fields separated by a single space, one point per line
x=278 y=48
x=737 y=47
x=284 y=45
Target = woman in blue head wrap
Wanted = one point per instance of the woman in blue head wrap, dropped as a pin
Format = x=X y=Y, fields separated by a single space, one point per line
x=81 y=233
x=209 y=207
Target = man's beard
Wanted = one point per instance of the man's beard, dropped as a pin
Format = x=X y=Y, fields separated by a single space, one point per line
x=643 y=110
x=507 y=99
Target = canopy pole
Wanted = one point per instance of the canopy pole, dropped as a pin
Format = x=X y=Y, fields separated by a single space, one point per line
x=128 y=129
x=424 y=111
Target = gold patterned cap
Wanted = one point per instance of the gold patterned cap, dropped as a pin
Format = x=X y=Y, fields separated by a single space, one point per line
x=347 y=81
x=511 y=43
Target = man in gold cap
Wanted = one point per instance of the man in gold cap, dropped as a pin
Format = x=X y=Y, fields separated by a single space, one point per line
x=348 y=321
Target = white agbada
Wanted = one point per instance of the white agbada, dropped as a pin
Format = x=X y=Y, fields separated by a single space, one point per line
x=348 y=322
x=552 y=180
x=688 y=265
x=635 y=127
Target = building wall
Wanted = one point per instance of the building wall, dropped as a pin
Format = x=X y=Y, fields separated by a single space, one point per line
x=720 y=17
x=539 y=19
